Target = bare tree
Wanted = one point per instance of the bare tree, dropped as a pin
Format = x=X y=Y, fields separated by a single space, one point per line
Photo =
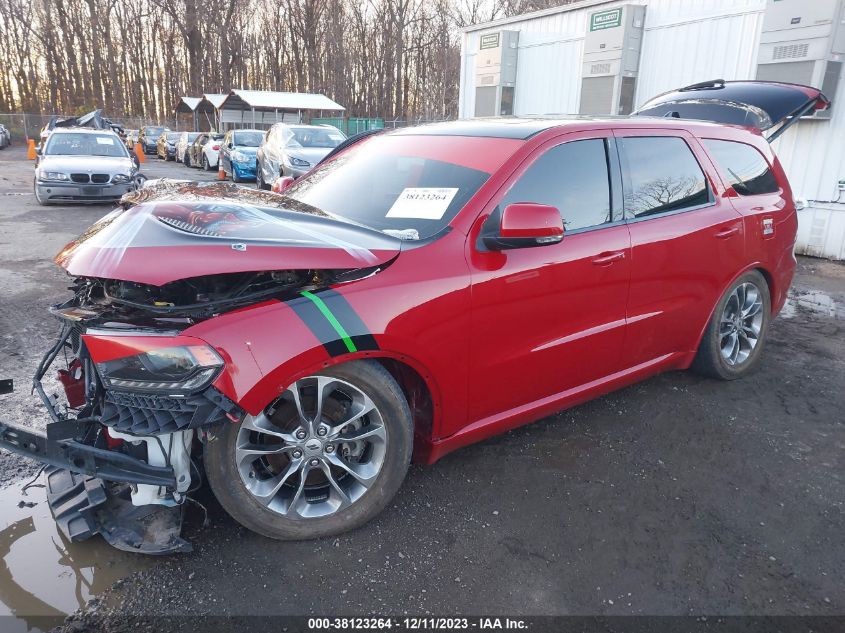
x=387 y=58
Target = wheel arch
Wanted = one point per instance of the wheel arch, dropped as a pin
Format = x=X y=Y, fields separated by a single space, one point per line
x=767 y=277
x=414 y=379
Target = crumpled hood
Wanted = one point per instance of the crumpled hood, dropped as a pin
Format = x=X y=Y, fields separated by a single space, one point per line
x=163 y=241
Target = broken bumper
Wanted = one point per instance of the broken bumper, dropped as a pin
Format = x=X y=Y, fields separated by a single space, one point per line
x=84 y=506
x=109 y=473
x=60 y=448
x=89 y=488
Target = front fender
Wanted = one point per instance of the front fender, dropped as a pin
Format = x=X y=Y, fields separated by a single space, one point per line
x=268 y=346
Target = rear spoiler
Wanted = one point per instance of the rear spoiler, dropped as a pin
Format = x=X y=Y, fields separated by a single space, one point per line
x=759 y=104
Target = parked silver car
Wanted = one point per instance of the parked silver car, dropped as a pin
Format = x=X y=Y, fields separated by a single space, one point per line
x=5 y=137
x=292 y=150
x=182 y=146
x=83 y=165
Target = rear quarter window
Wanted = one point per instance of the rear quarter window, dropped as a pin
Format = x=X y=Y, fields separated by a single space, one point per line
x=660 y=175
x=743 y=167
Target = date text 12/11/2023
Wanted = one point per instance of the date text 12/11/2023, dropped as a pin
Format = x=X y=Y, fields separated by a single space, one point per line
x=417 y=623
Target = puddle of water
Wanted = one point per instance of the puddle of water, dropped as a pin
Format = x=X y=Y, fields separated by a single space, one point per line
x=813 y=300
x=43 y=577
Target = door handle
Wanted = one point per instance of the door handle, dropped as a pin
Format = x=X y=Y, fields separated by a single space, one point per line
x=606 y=259
x=726 y=233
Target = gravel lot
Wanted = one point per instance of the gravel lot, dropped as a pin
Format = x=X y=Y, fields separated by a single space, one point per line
x=676 y=496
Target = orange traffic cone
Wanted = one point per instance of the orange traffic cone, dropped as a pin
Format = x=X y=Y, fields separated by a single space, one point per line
x=139 y=152
x=221 y=175
x=30 y=152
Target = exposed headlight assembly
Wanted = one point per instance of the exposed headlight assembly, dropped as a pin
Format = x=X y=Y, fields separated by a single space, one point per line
x=120 y=179
x=240 y=157
x=53 y=175
x=172 y=370
x=298 y=162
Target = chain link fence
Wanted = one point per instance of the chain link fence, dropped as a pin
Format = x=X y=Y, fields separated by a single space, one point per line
x=25 y=125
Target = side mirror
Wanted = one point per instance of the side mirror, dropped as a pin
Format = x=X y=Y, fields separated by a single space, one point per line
x=526 y=224
x=230 y=145
x=282 y=183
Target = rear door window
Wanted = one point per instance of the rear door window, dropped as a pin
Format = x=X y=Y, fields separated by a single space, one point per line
x=572 y=177
x=660 y=175
x=743 y=167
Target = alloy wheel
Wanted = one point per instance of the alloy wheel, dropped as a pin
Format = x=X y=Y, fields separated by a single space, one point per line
x=316 y=451
x=740 y=324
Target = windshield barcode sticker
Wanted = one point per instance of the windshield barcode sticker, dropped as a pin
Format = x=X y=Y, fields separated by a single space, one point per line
x=422 y=203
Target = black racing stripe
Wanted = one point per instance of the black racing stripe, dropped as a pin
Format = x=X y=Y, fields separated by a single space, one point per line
x=365 y=342
x=324 y=331
x=316 y=322
x=349 y=319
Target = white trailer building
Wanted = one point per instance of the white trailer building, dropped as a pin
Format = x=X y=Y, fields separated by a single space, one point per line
x=609 y=57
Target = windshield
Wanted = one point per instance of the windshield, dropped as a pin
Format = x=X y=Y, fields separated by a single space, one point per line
x=315 y=137
x=172 y=137
x=247 y=139
x=153 y=131
x=83 y=144
x=192 y=136
x=412 y=184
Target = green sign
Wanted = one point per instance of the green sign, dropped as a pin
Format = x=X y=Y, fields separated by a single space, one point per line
x=491 y=40
x=606 y=19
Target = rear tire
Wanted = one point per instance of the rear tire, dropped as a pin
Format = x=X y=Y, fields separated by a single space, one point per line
x=287 y=512
x=736 y=334
x=205 y=165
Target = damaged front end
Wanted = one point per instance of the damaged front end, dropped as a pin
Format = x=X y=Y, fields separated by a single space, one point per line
x=119 y=463
x=141 y=394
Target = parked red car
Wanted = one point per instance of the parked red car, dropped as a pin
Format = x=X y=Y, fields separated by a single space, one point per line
x=419 y=291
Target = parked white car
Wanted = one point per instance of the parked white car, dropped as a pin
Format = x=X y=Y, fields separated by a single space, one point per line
x=206 y=150
x=182 y=145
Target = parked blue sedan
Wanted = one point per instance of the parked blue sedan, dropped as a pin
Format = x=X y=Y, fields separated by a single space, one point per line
x=237 y=154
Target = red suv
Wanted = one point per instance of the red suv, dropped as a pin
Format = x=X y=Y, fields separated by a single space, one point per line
x=418 y=291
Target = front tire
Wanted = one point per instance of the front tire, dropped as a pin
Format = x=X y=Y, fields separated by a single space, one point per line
x=324 y=458
x=736 y=334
